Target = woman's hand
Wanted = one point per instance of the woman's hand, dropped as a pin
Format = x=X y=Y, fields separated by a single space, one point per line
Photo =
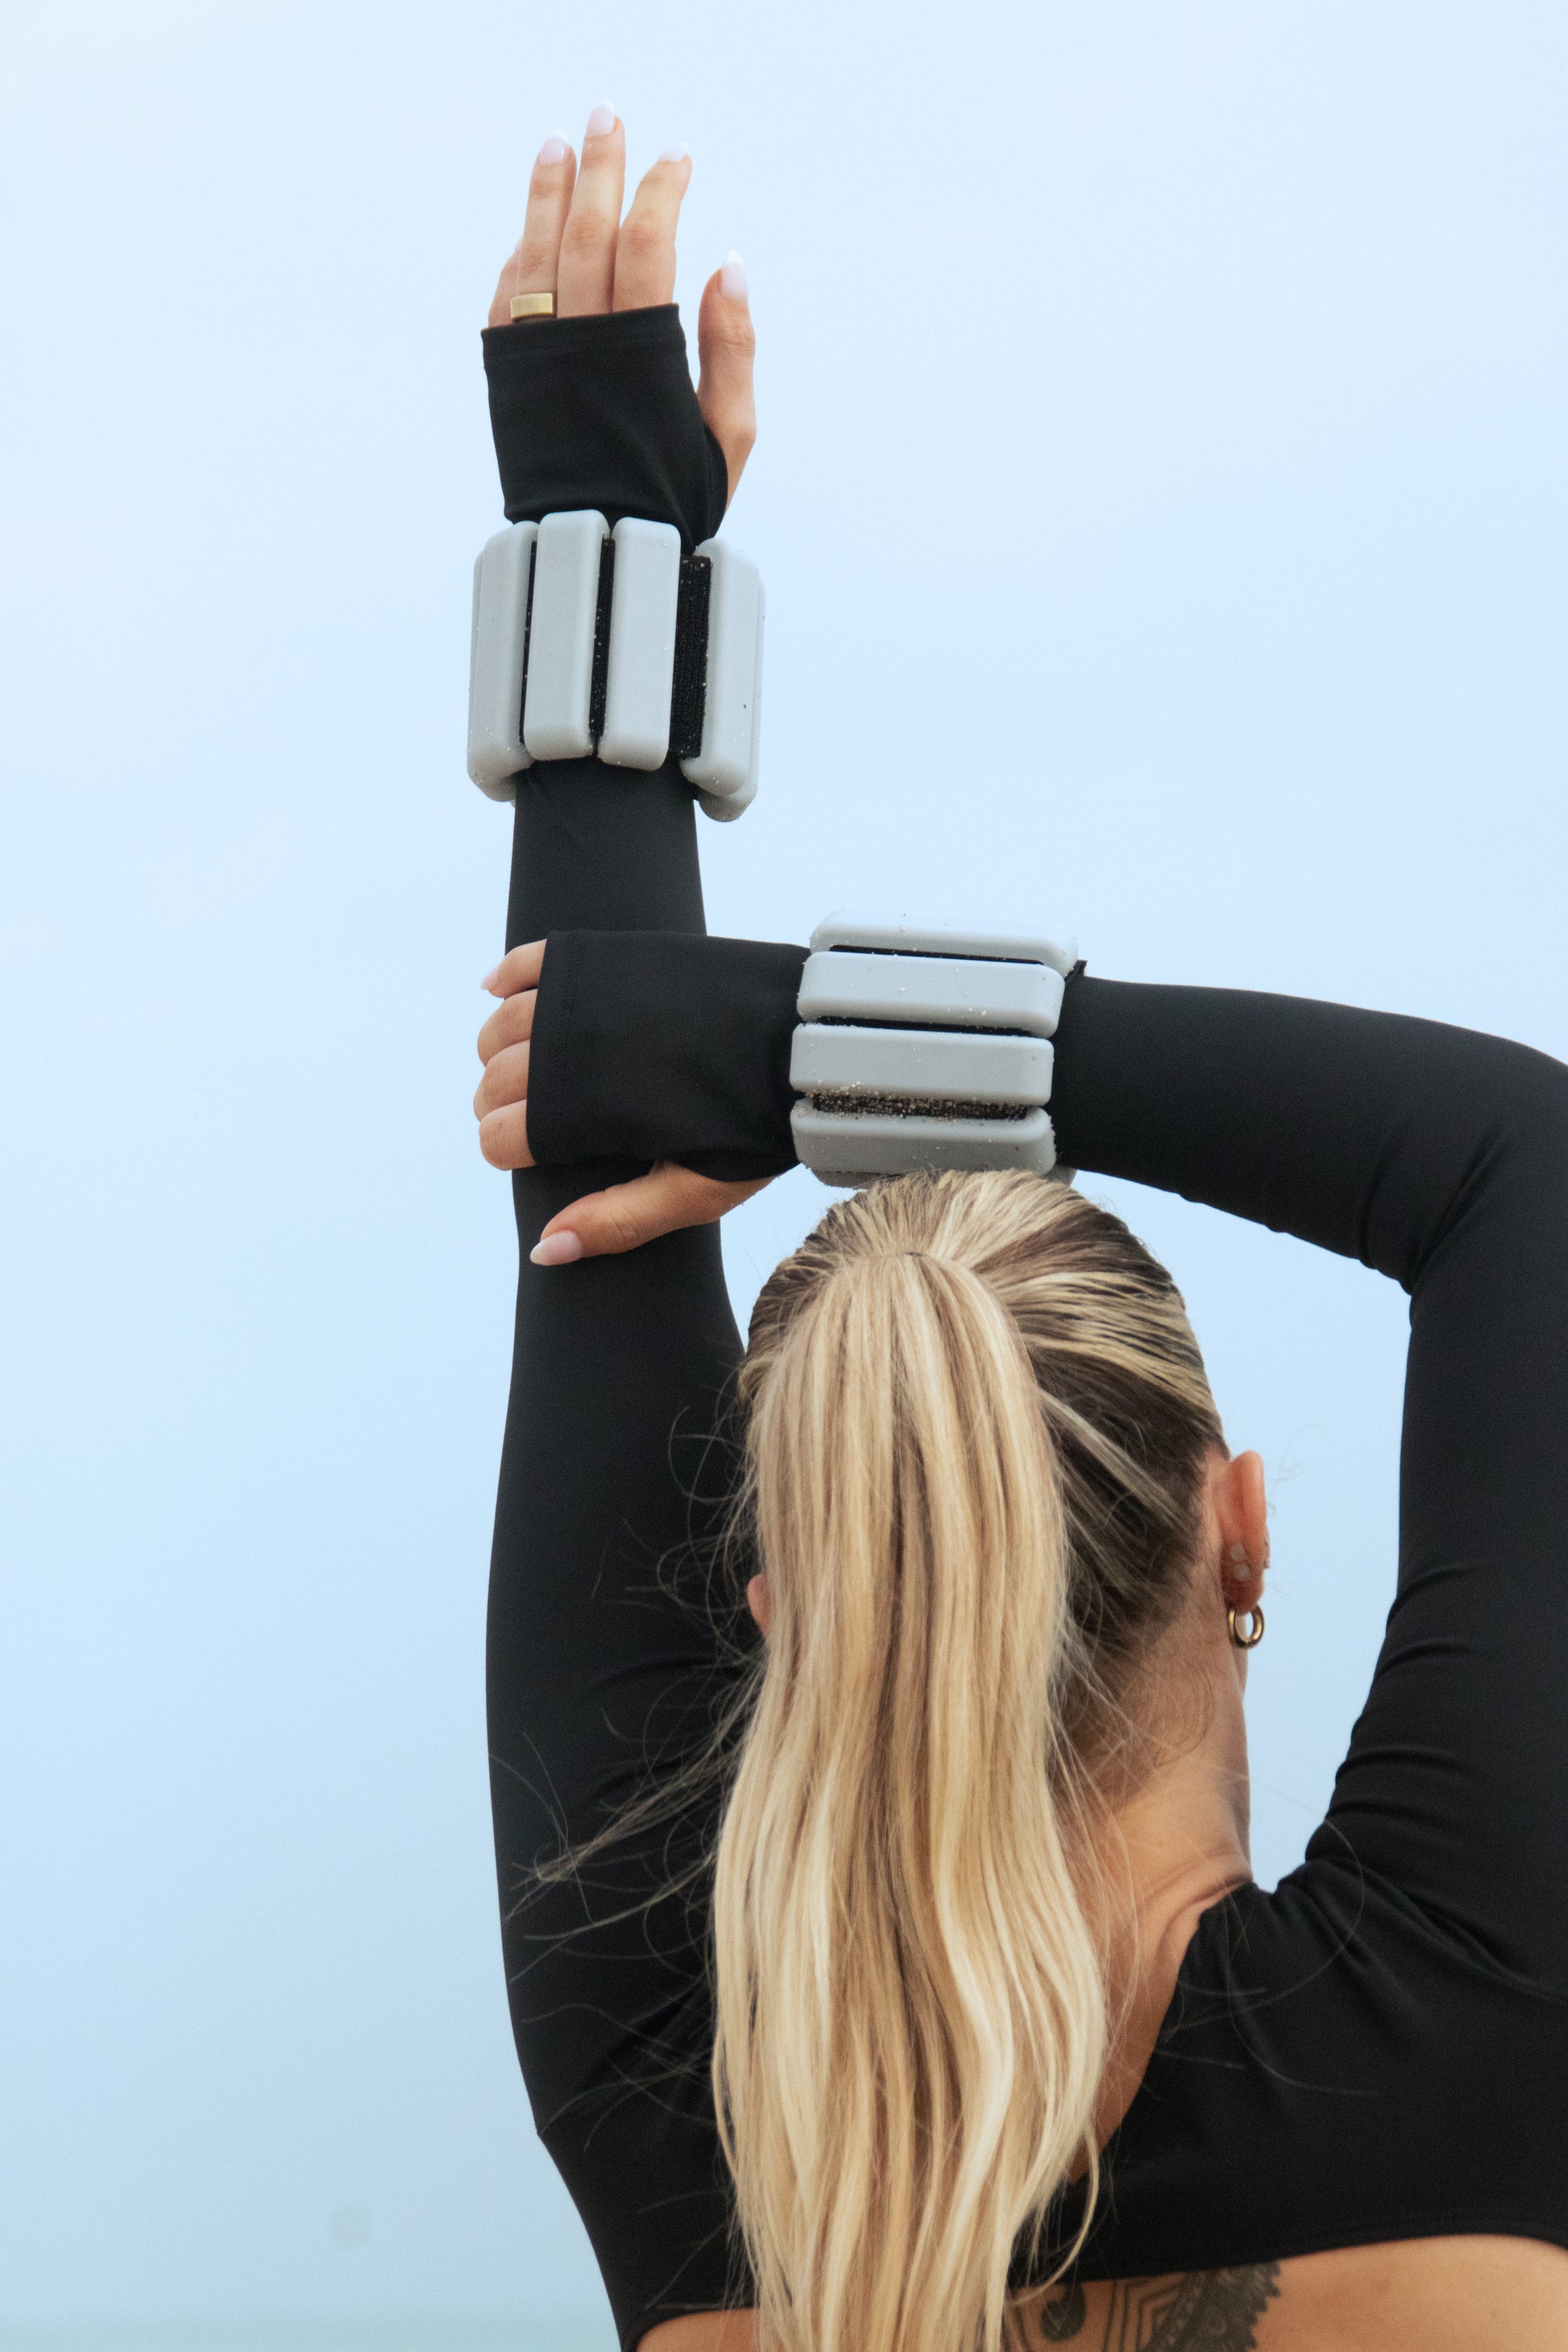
x=575 y=246
x=600 y=1223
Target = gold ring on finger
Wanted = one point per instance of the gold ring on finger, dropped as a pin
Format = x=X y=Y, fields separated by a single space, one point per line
x=534 y=305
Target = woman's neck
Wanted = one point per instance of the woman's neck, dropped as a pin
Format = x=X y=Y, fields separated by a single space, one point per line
x=1179 y=1844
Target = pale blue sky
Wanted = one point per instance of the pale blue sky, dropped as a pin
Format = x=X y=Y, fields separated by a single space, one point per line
x=1168 y=395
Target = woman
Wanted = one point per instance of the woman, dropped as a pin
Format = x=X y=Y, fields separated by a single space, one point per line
x=955 y=1993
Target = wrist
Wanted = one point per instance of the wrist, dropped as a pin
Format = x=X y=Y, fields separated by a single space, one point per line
x=663 y=1046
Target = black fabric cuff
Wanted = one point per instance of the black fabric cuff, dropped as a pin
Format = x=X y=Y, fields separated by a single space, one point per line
x=602 y=412
x=663 y=1046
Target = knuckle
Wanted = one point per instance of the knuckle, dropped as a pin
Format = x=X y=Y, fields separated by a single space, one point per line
x=536 y=254
x=620 y=1229
x=733 y=333
x=587 y=235
x=642 y=238
x=504 y=1082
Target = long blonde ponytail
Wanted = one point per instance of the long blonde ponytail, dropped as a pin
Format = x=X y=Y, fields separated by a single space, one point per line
x=912 y=2009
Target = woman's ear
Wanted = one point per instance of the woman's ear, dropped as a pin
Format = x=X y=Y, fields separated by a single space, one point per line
x=760 y=1601
x=1241 y=1510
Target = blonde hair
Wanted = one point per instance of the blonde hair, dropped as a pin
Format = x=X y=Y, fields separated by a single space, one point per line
x=976 y=1425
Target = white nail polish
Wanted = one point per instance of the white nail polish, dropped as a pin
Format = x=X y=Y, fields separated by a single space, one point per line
x=733 y=278
x=601 y=121
x=677 y=152
x=557 y=1249
x=555 y=149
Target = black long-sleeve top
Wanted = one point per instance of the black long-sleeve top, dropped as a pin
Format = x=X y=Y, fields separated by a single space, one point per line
x=1377 y=2050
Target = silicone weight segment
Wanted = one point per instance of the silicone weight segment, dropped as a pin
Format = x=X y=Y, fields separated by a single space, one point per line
x=921 y=1065
x=724 y=812
x=724 y=772
x=555 y=718
x=641 y=662
x=948 y=991
x=854 y=1149
x=496 y=748
x=883 y=937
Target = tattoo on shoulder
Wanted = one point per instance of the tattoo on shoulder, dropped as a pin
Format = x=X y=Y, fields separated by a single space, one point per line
x=1205 y=2310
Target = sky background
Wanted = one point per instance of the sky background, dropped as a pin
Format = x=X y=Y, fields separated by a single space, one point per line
x=1161 y=497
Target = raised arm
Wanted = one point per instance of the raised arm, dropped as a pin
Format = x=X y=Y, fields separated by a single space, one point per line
x=603 y=1653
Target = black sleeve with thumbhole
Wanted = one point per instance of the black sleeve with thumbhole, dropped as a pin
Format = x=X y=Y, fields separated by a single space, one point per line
x=602 y=412
x=640 y=1036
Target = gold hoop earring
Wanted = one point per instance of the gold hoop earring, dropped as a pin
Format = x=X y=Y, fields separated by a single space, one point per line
x=1249 y=1640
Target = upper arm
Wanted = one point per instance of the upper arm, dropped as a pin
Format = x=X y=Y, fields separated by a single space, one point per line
x=1439 y=1158
x=1454 y=1787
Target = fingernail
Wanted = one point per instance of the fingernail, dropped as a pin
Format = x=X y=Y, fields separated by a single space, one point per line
x=557 y=1249
x=733 y=278
x=491 y=978
x=555 y=149
x=675 y=153
x=602 y=119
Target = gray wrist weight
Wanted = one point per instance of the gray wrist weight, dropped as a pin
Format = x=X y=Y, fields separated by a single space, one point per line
x=926 y=1048
x=592 y=641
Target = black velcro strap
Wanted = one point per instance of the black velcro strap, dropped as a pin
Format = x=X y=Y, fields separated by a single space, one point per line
x=916 y=1107
x=599 y=684
x=527 y=633
x=688 y=684
x=689 y=696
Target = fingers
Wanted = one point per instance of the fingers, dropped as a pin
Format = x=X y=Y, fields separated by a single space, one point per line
x=500 y=1106
x=727 y=346
x=520 y=968
x=586 y=277
x=645 y=249
x=666 y=1199
x=503 y=1136
x=531 y=270
x=501 y=1102
x=505 y=1080
x=508 y=1024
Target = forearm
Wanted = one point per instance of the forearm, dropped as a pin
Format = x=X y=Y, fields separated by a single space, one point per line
x=595 y=849
x=1422 y=1151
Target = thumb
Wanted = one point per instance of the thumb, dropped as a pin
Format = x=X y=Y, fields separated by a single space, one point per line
x=603 y=1224
x=726 y=347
